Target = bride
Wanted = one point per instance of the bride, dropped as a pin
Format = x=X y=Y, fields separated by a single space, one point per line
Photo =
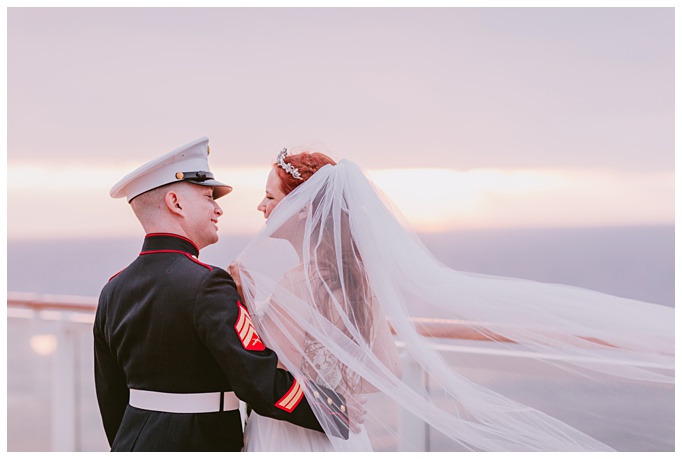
x=334 y=282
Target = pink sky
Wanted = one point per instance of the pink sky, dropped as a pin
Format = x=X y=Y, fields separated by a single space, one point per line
x=504 y=89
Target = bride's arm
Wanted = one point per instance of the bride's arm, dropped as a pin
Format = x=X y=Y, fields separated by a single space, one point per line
x=384 y=349
x=283 y=328
x=285 y=334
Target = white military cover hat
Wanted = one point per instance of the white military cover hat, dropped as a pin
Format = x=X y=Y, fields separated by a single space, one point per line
x=188 y=163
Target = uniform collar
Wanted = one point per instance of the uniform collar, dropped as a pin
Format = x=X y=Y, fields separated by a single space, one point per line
x=168 y=241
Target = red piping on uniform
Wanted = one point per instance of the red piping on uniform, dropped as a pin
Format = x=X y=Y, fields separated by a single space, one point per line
x=162 y=251
x=117 y=274
x=172 y=235
x=333 y=413
x=198 y=262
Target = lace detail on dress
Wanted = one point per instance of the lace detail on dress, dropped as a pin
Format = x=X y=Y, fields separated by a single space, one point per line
x=322 y=363
x=328 y=370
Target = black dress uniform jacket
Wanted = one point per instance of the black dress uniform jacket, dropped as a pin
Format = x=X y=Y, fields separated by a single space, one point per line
x=166 y=323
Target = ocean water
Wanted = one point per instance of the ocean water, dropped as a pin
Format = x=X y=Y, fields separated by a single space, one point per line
x=634 y=262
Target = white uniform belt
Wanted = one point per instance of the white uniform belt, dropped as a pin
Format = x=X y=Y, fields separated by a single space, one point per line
x=207 y=402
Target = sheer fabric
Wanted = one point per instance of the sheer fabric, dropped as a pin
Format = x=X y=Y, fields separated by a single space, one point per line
x=340 y=288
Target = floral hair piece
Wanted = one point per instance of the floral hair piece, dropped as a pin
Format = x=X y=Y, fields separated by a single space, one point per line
x=286 y=166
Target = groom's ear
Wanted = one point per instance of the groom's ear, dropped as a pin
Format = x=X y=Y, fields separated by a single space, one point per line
x=173 y=201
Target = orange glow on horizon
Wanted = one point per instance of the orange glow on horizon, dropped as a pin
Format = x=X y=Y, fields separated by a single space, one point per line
x=429 y=199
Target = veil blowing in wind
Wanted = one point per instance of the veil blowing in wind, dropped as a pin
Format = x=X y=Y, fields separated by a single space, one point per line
x=335 y=280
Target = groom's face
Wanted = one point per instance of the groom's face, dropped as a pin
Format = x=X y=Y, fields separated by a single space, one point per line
x=201 y=214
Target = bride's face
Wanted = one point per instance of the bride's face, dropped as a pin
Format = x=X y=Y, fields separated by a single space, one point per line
x=273 y=194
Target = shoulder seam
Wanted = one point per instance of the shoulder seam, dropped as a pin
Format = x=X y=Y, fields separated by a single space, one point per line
x=209 y=267
x=116 y=274
x=187 y=254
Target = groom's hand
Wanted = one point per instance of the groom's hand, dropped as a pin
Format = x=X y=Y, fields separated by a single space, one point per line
x=356 y=412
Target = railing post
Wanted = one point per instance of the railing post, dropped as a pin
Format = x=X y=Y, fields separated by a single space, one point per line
x=64 y=389
x=412 y=430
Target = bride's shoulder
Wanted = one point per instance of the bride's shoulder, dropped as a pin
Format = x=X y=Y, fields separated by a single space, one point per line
x=294 y=276
x=294 y=273
x=300 y=281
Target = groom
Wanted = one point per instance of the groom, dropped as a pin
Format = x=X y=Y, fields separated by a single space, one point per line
x=175 y=349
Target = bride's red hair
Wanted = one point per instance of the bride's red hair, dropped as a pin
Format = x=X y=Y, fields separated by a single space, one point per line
x=307 y=164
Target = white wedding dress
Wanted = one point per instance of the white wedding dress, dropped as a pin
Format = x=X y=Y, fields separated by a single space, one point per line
x=335 y=276
x=264 y=434
x=270 y=435
x=267 y=434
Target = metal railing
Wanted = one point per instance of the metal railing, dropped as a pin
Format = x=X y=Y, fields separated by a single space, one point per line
x=70 y=318
x=66 y=312
x=58 y=316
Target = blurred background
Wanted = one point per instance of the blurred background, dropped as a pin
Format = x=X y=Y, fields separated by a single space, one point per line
x=524 y=142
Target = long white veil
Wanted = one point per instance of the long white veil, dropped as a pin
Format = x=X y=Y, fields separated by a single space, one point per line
x=335 y=277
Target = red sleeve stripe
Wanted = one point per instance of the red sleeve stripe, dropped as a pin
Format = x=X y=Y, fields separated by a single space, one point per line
x=291 y=399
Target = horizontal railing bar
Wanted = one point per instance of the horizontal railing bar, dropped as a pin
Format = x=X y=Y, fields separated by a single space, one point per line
x=51 y=315
x=429 y=327
x=455 y=329
x=434 y=328
x=547 y=356
x=80 y=308
x=59 y=302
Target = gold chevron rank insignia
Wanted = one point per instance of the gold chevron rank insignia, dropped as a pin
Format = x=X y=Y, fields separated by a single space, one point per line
x=246 y=332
